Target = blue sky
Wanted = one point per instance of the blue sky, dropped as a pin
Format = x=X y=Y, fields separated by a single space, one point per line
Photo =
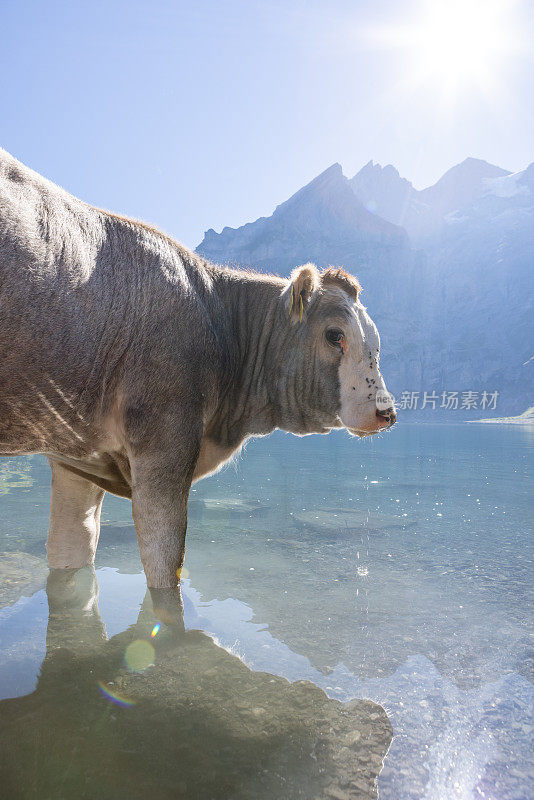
x=202 y=114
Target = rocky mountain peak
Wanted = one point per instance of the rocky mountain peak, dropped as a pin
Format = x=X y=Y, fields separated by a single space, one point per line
x=460 y=185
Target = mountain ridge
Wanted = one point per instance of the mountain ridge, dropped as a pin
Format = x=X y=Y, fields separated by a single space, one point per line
x=422 y=211
x=326 y=207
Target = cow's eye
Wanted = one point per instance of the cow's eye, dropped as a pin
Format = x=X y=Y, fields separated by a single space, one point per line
x=335 y=337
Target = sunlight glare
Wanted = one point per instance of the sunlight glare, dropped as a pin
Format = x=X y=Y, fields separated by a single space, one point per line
x=455 y=46
x=460 y=42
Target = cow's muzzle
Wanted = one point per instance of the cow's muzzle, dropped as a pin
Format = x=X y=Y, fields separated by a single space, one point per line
x=389 y=415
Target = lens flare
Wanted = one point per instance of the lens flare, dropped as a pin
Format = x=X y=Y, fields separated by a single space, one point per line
x=139 y=656
x=155 y=630
x=115 y=697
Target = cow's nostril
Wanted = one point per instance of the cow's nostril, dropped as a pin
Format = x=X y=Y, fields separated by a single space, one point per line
x=387 y=414
x=384 y=412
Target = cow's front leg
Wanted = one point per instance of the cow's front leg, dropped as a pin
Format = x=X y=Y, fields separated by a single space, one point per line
x=162 y=471
x=75 y=505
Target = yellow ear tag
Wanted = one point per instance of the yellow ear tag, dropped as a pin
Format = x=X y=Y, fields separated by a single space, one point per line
x=291 y=303
x=301 y=308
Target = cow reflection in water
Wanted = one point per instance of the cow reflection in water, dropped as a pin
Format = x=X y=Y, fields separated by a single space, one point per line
x=161 y=712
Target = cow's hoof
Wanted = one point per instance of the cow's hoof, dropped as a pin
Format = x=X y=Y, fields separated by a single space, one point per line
x=167 y=605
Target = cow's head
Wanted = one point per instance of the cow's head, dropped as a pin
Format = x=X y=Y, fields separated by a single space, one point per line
x=332 y=369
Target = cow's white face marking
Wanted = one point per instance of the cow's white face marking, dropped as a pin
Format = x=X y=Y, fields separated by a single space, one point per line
x=362 y=387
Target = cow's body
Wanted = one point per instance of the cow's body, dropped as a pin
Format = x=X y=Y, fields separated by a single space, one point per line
x=137 y=367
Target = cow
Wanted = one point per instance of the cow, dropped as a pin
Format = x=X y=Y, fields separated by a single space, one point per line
x=138 y=367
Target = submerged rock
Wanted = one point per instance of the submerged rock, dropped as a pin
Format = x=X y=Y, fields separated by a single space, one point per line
x=224 y=509
x=21 y=575
x=352 y=519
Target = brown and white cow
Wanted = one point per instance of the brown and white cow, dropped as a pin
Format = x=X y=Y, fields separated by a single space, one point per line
x=138 y=367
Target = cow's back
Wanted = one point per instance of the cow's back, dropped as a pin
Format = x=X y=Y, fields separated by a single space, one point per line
x=55 y=286
x=85 y=297
x=46 y=235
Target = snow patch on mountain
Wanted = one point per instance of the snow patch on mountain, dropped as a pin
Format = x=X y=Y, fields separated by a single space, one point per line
x=508 y=185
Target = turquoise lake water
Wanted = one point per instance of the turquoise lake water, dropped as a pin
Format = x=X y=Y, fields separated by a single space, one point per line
x=395 y=569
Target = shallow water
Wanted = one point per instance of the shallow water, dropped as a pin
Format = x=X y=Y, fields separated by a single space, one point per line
x=397 y=569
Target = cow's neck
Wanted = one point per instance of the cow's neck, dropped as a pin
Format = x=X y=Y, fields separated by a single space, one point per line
x=252 y=336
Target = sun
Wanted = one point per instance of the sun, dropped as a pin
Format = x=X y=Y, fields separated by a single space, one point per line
x=454 y=46
x=458 y=44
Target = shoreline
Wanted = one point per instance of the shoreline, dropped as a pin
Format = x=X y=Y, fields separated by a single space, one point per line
x=526 y=418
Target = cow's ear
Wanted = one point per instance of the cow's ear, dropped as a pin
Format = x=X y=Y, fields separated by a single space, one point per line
x=304 y=281
x=336 y=276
